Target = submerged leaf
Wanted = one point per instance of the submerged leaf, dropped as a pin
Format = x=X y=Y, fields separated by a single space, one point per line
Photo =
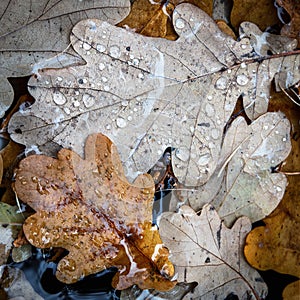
x=35 y=34
x=142 y=92
x=87 y=207
x=205 y=251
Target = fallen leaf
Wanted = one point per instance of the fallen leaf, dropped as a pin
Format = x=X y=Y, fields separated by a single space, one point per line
x=16 y=285
x=265 y=43
x=150 y=19
x=292 y=29
x=204 y=250
x=11 y=221
x=291 y=292
x=154 y=18
x=263 y=13
x=176 y=293
x=243 y=183
x=276 y=245
x=35 y=34
x=88 y=207
x=143 y=91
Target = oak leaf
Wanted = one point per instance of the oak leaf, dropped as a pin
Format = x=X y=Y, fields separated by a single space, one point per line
x=204 y=250
x=276 y=245
x=35 y=34
x=243 y=183
x=143 y=91
x=88 y=207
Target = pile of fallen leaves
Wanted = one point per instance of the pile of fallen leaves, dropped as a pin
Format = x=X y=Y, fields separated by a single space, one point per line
x=194 y=100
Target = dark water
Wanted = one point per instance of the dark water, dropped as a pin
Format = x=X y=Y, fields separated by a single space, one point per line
x=41 y=275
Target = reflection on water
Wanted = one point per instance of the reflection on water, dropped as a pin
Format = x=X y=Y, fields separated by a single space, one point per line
x=41 y=275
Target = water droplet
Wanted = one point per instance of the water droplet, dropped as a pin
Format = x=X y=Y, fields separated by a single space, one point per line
x=135 y=62
x=59 y=78
x=215 y=133
x=129 y=118
x=104 y=79
x=284 y=139
x=221 y=83
x=182 y=153
x=114 y=51
x=121 y=122
x=98 y=193
x=34 y=179
x=204 y=159
x=243 y=65
x=278 y=189
x=209 y=97
x=242 y=79
x=88 y=100
x=180 y=24
x=76 y=103
x=101 y=66
x=100 y=48
x=209 y=109
x=59 y=98
x=266 y=127
x=106 y=88
x=86 y=46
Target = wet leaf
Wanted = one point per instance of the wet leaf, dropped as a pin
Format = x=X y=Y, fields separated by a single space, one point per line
x=143 y=91
x=243 y=183
x=291 y=28
x=176 y=293
x=10 y=215
x=262 y=13
x=16 y=285
x=21 y=253
x=276 y=245
x=265 y=43
x=35 y=34
x=204 y=250
x=88 y=207
x=154 y=18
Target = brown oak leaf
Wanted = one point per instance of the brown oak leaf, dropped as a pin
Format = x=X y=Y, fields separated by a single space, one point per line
x=88 y=207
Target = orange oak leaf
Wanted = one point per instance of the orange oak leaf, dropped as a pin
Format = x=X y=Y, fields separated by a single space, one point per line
x=88 y=207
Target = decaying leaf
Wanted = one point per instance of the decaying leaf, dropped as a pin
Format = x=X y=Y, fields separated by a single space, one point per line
x=88 y=207
x=35 y=34
x=204 y=250
x=143 y=91
x=263 y=13
x=243 y=183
